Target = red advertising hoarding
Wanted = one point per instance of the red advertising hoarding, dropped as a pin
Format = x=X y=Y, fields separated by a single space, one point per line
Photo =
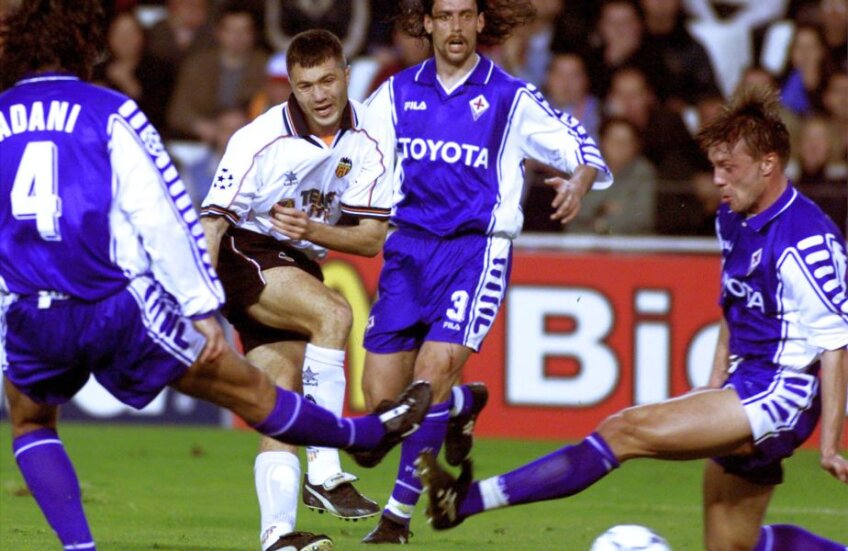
x=580 y=335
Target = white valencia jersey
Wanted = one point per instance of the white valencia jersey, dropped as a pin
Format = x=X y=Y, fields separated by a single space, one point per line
x=275 y=159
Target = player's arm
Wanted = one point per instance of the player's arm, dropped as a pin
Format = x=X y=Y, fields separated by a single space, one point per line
x=176 y=252
x=834 y=384
x=214 y=227
x=368 y=199
x=365 y=238
x=721 y=358
x=560 y=141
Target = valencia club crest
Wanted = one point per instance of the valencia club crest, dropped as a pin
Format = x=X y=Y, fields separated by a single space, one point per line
x=345 y=164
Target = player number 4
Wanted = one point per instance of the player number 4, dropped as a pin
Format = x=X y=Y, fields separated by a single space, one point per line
x=34 y=193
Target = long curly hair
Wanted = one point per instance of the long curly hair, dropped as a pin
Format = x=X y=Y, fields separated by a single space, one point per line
x=501 y=16
x=64 y=35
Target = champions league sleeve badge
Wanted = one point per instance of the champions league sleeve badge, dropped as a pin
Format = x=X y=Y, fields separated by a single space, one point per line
x=479 y=105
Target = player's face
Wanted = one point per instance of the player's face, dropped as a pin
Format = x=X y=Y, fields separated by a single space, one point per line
x=453 y=27
x=743 y=181
x=322 y=93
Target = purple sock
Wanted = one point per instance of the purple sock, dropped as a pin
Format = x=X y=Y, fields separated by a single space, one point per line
x=430 y=436
x=51 y=478
x=300 y=422
x=562 y=473
x=461 y=400
x=785 y=537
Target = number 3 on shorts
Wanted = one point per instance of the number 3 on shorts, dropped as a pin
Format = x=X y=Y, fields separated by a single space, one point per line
x=34 y=193
x=460 y=304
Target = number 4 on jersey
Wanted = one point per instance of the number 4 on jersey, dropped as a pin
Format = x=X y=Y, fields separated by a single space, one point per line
x=34 y=193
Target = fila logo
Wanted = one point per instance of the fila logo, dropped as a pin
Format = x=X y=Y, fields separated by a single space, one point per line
x=415 y=106
x=479 y=105
x=755 y=261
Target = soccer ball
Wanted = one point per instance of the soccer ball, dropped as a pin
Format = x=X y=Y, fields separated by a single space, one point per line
x=630 y=537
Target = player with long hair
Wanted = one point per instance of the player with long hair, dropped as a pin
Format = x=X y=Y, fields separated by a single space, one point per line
x=462 y=128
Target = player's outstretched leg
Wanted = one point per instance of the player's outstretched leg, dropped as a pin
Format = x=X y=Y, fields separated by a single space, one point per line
x=785 y=537
x=368 y=439
x=467 y=402
x=445 y=492
x=562 y=473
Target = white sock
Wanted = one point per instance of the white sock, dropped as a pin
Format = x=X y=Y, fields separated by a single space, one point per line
x=277 y=477
x=324 y=381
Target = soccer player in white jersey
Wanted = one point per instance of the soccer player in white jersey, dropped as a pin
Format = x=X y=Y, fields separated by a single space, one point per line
x=104 y=271
x=284 y=183
x=780 y=364
x=462 y=129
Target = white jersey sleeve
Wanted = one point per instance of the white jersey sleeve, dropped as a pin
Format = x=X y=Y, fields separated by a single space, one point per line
x=553 y=138
x=816 y=293
x=237 y=180
x=370 y=194
x=152 y=231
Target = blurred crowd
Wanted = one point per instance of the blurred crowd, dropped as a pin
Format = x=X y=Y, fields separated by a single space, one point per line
x=641 y=75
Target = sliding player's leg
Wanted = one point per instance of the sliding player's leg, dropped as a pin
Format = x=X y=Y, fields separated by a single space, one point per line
x=233 y=383
x=696 y=425
x=47 y=469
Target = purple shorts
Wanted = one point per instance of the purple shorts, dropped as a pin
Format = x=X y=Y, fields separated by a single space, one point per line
x=783 y=407
x=438 y=289
x=134 y=342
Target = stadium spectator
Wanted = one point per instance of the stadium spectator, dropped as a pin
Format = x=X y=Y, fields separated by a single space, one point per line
x=833 y=20
x=185 y=30
x=223 y=77
x=199 y=173
x=809 y=71
x=618 y=42
x=666 y=141
x=463 y=127
x=835 y=101
x=134 y=306
x=276 y=89
x=628 y=207
x=405 y=51
x=299 y=169
x=567 y=89
x=347 y=19
x=687 y=68
x=780 y=362
x=752 y=16
x=819 y=171
x=130 y=70
x=526 y=54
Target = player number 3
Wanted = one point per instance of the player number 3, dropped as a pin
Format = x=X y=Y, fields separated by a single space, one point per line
x=34 y=193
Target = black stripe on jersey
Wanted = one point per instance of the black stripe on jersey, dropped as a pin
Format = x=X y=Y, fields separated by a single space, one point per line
x=366 y=212
x=214 y=211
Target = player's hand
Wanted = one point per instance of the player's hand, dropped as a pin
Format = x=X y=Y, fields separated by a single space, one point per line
x=291 y=222
x=567 y=202
x=836 y=465
x=216 y=342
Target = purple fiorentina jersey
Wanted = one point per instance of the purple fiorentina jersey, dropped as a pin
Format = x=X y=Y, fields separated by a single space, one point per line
x=89 y=198
x=462 y=150
x=783 y=282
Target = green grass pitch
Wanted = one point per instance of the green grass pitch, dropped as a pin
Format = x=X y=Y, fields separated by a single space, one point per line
x=191 y=489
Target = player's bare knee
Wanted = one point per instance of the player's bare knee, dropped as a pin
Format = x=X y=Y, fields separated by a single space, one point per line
x=335 y=321
x=626 y=435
